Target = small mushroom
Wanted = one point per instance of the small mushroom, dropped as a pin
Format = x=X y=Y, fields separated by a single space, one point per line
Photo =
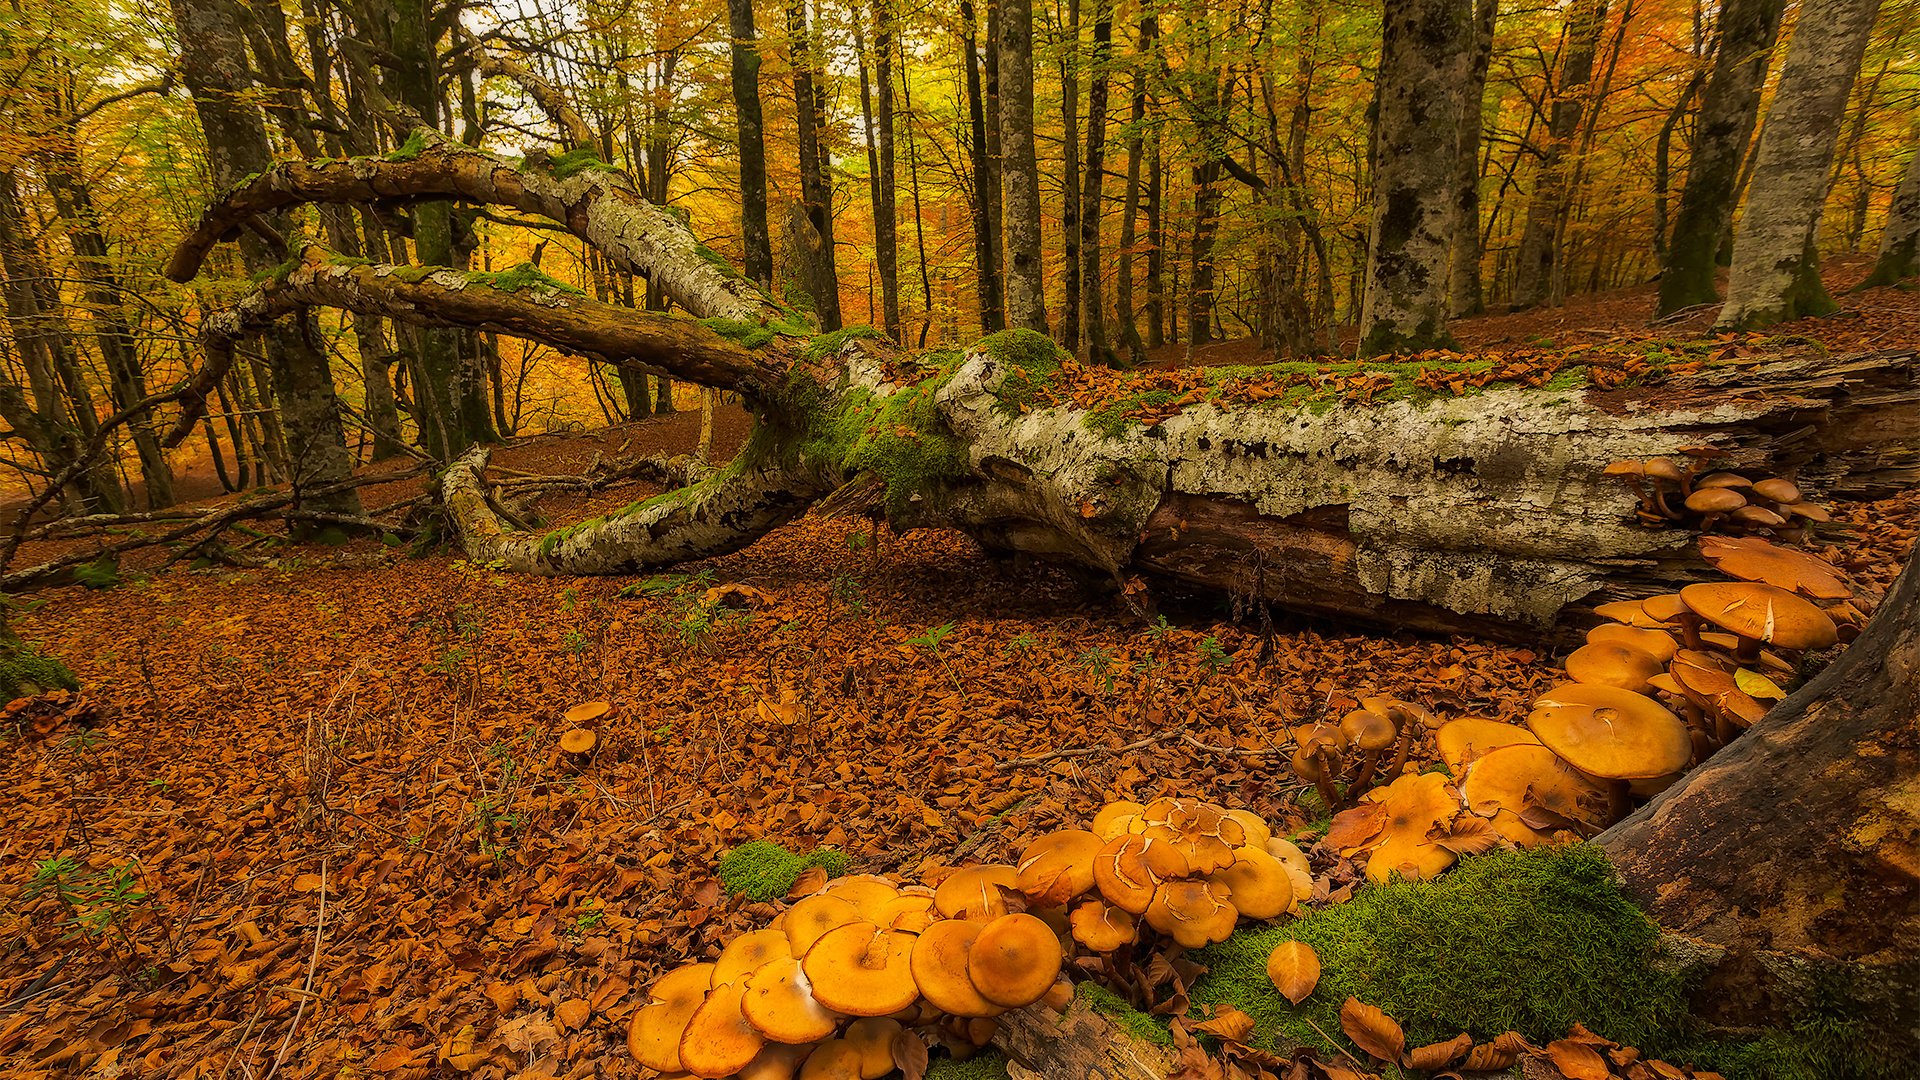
x=939 y=968
x=1606 y=663
x=1014 y=960
x=1193 y=913
x=749 y=952
x=862 y=970
x=1102 y=927
x=779 y=1003
x=1058 y=867
x=1722 y=480
x=1530 y=794
x=1760 y=613
x=1373 y=734
x=868 y=893
x=1462 y=742
x=653 y=1035
x=1131 y=867
x=974 y=892
x=1757 y=517
x=835 y=1059
x=1753 y=559
x=1257 y=884
x=1656 y=643
x=1778 y=490
x=1714 y=503
x=1612 y=734
x=718 y=1040
x=873 y=1036
x=813 y=917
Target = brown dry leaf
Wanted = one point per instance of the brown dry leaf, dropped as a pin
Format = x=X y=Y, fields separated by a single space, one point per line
x=1372 y=1030
x=1489 y=1057
x=1295 y=970
x=909 y=1055
x=573 y=1013
x=1578 y=1060
x=1471 y=836
x=1228 y=1023
x=1441 y=1054
x=1356 y=826
x=458 y=1051
x=810 y=881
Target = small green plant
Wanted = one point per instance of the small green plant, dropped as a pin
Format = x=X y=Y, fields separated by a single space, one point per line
x=84 y=740
x=103 y=574
x=95 y=902
x=1098 y=664
x=575 y=642
x=930 y=641
x=569 y=598
x=450 y=661
x=1215 y=658
x=845 y=588
x=591 y=915
x=1022 y=646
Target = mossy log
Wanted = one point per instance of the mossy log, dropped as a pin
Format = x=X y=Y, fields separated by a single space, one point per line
x=1080 y=1043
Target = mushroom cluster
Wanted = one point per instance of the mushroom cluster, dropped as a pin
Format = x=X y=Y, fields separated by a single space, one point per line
x=827 y=988
x=1675 y=494
x=1341 y=760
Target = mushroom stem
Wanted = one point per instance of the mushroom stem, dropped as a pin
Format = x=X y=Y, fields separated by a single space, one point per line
x=1660 y=501
x=1748 y=651
x=1368 y=759
x=1323 y=782
x=1707 y=523
x=1690 y=629
x=1619 y=799
x=1400 y=755
x=1723 y=732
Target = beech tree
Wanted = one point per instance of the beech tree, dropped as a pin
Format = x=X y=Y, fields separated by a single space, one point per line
x=1900 y=243
x=1019 y=171
x=1776 y=270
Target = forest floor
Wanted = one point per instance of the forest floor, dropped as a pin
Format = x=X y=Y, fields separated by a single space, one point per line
x=319 y=820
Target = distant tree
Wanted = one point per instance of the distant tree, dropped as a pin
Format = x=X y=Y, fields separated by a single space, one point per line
x=1729 y=109
x=1900 y=242
x=1776 y=268
x=1423 y=65
x=745 y=54
x=822 y=275
x=1020 y=171
x=1465 y=295
x=1538 y=263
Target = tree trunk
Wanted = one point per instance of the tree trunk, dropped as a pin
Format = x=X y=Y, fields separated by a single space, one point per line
x=1776 y=271
x=1729 y=109
x=1423 y=62
x=816 y=189
x=1156 y=246
x=1123 y=313
x=995 y=183
x=1464 y=293
x=1092 y=305
x=986 y=184
x=886 y=235
x=1026 y=287
x=1539 y=254
x=1788 y=857
x=1070 y=178
x=1900 y=242
x=754 y=237
x=1080 y=1043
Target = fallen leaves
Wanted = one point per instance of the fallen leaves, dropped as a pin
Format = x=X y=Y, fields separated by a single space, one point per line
x=1372 y=1030
x=1295 y=970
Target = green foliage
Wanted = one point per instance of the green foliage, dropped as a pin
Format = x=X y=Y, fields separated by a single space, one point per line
x=930 y=641
x=762 y=870
x=985 y=1065
x=576 y=161
x=1113 y=418
x=898 y=437
x=1528 y=941
x=1115 y=1008
x=825 y=345
x=25 y=671
x=1831 y=1038
x=96 y=902
x=1031 y=359
x=755 y=334
x=524 y=276
x=415 y=145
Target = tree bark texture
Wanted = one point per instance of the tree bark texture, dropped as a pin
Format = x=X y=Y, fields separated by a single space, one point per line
x=1092 y=307
x=986 y=183
x=1776 y=271
x=754 y=238
x=816 y=189
x=1538 y=257
x=1019 y=171
x=1899 y=256
x=1729 y=109
x=1423 y=62
x=1464 y=293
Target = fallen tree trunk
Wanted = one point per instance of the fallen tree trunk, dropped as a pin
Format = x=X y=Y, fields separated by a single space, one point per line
x=1484 y=512
x=1080 y=1043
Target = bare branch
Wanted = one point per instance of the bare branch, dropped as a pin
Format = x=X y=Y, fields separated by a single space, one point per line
x=549 y=97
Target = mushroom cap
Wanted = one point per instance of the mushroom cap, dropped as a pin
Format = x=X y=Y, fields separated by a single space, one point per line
x=779 y=1003
x=939 y=967
x=1102 y=927
x=1778 y=489
x=908 y=911
x=1807 y=510
x=1759 y=517
x=1204 y=848
x=1462 y=742
x=1258 y=885
x=862 y=970
x=873 y=1037
x=1665 y=683
x=1710 y=683
x=1014 y=960
x=1512 y=784
x=776 y=1061
x=1750 y=558
x=869 y=894
x=1402 y=713
x=1608 y=732
x=578 y=740
x=807 y=920
x=1129 y=868
x=1608 y=663
x=1257 y=830
x=1655 y=643
x=1762 y=612
x=1664 y=608
x=1396 y=825
x=1369 y=730
x=1722 y=480
x=1058 y=867
x=835 y=1059
x=1628 y=612
x=1664 y=469
x=1111 y=821
x=1715 y=500
x=586 y=711
x=718 y=1040
x=653 y=1035
x=747 y=953
x=1629 y=467
x=973 y=892
x=1193 y=913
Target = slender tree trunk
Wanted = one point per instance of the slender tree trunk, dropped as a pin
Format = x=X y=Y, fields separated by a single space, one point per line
x=1130 y=205
x=995 y=183
x=1464 y=293
x=919 y=217
x=127 y=381
x=1026 y=287
x=1423 y=62
x=1070 y=178
x=1212 y=104
x=986 y=183
x=1729 y=109
x=1900 y=242
x=1776 y=269
x=754 y=237
x=1092 y=304
x=1156 y=246
x=816 y=189
x=886 y=229
x=1539 y=256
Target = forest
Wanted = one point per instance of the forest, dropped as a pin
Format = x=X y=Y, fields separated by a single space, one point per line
x=1110 y=539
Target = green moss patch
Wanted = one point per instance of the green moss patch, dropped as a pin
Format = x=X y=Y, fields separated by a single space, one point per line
x=576 y=161
x=756 y=334
x=827 y=344
x=1115 y=1008
x=985 y=1065
x=415 y=145
x=762 y=870
x=524 y=276
x=1528 y=941
x=898 y=437
x=1032 y=360
x=25 y=671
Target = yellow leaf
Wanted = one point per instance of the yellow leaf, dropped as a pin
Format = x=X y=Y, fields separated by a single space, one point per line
x=1754 y=684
